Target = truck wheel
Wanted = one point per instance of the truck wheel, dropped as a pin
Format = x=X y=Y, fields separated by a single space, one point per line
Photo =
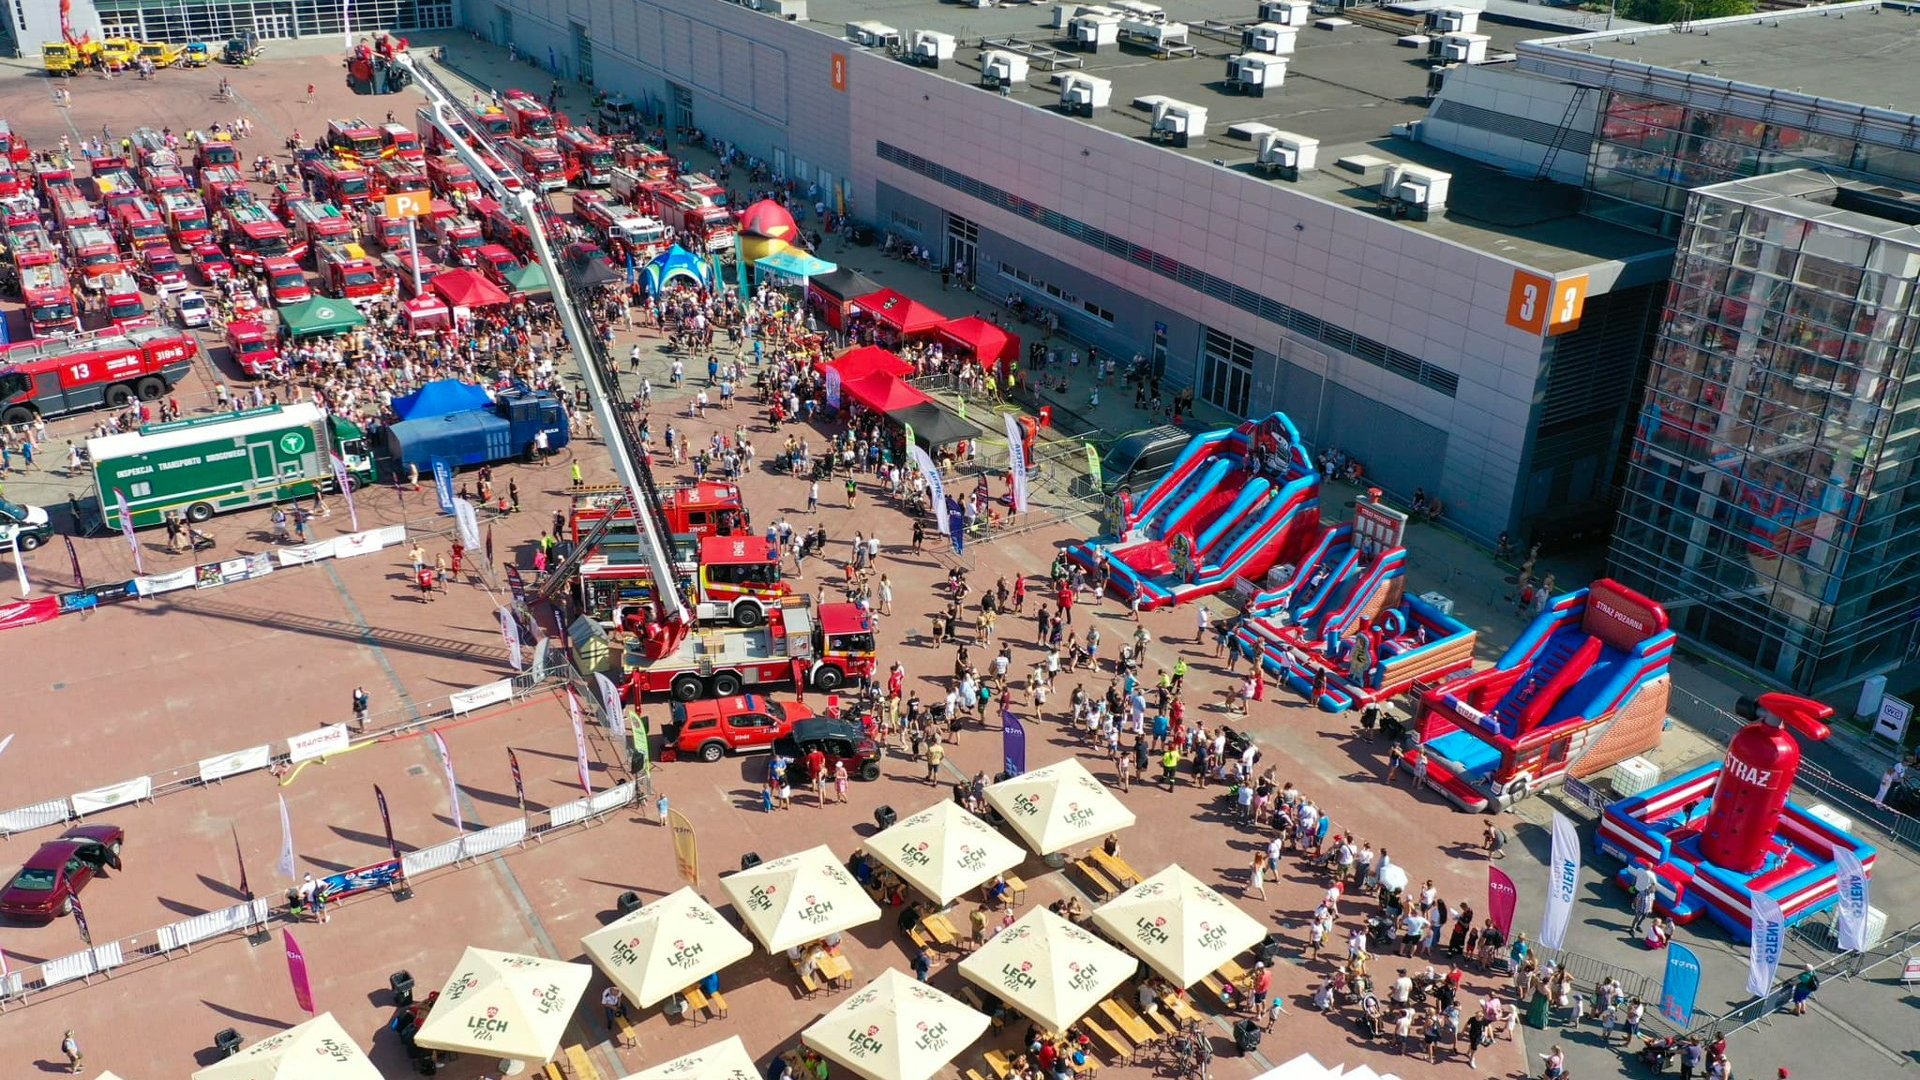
x=687 y=687
x=712 y=752
x=726 y=684
x=829 y=678
x=748 y=614
x=17 y=416
x=151 y=388
x=870 y=771
x=119 y=397
x=27 y=541
x=199 y=512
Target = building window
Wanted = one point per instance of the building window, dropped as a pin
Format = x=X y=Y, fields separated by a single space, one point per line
x=1226 y=376
x=1040 y=285
x=902 y=221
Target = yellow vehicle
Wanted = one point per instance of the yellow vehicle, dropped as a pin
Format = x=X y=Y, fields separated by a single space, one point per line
x=160 y=53
x=65 y=58
x=119 y=52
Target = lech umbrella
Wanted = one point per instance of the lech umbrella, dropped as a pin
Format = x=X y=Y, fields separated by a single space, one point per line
x=944 y=850
x=1058 y=807
x=663 y=948
x=319 y=1049
x=505 y=1005
x=724 y=1060
x=895 y=1029
x=799 y=898
x=1048 y=968
x=1180 y=927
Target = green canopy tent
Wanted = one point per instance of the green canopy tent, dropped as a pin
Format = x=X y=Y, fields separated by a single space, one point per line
x=320 y=317
x=529 y=280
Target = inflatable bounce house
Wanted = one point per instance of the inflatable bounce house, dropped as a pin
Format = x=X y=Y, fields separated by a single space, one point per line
x=1339 y=618
x=1236 y=501
x=1720 y=833
x=1584 y=688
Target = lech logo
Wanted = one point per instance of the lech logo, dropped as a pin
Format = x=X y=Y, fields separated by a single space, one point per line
x=293 y=442
x=1152 y=932
x=1085 y=976
x=932 y=1036
x=865 y=1043
x=484 y=1028
x=684 y=954
x=816 y=910
x=1211 y=935
x=1018 y=978
x=334 y=1049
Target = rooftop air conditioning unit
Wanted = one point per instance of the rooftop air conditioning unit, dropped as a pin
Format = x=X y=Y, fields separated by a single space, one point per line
x=1140 y=11
x=1255 y=74
x=1453 y=20
x=1287 y=154
x=1269 y=38
x=1002 y=69
x=928 y=48
x=1063 y=14
x=1414 y=191
x=1178 y=123
x=1294 y=13
x=1459 y=48
x=1091 y=33
x=869 y=34
x=1155 y=35
x=1437 y=78
x=1081 y=94
x=790 y=10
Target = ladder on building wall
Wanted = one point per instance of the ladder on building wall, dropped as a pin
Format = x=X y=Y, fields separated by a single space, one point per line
x=1563 y=134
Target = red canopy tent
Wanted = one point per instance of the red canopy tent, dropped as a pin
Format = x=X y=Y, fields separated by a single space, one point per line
x=867 y=359
x=468 y=289
x=905 y=317
x=883 y=393
x=988 y=343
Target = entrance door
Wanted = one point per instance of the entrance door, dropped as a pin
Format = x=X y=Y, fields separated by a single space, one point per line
x=260 y=456
x=963 y=244
x=273 y=25
x=780 y=161
x=503 y=22
x=583 y=53
x=682 y=106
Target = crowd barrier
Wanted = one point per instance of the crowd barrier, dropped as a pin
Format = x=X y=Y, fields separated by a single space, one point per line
x=203 y=576
x=104 y=959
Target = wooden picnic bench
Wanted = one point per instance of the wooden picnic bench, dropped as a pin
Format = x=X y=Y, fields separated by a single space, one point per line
x=940 y=928
x=1103 y=885
x=1122 y=1051
x=998 y=1061
x=972 y=997
x=579 y=1066
x=1179 y=1006
x=623 y=1033
x=1116 y=868
x=1129 y=1024
x=696 y=1001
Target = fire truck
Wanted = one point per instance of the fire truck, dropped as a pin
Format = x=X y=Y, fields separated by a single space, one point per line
x=13 y=147
x=70 y=208
x=336 y=181
x=139 y=223
x=706 y=508
x=319 y=222
x=399 y=141
x=286 y=282
x=530 y=119
x=711 y=227
x=401 y=266
x=647 y=236
x=355 y=137
x=543 y=164
x=159 y=180
x=589 y=157
x=399 y=174
x=11 y=182
x=251 y=345
x=113 y=180
x=186 y=218
x=448 y=175
x=821 y=653
x=66 y=375
x=495 y=121
x=646 y=161
x=256 y=235
x=348 y=272
x=220 y=184
x=704 y=186
x=48 y=293
x=119 y=296
x=55 y=168
x=21 y=211
x=387 y=234
x=209 y=154
x=93 y=251
x=461 y=237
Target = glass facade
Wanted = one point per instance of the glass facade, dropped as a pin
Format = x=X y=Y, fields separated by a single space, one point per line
x=166 y=20
x=1770 y=494
x=1648 y=155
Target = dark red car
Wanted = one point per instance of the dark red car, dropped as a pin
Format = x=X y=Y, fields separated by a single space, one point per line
x=710 y=730
x=44 y=887
x=214 y=265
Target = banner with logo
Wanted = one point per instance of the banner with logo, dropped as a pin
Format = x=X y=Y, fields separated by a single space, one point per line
x=345 y=484
x=453 y=786
x=610 y=702
x=443 y=484
x=1769 y=940
x=29 y=612
x=1093 y=466
x=1017 y=451
x=297 y=972
x=386 y=820
x=1502 y=898
x=510 y=632
x=519 y=783
x=1850 y=917
x=286 y=841
x=126 y=530
x=1013 y=743
x=580 y=743
x=936 y=488
x=73 y=556
x=957 y=525
x=468 y=522
x=516 y=584
x=80 y=919
x=1680 y=986
x=1563 y=881
x=686 y=847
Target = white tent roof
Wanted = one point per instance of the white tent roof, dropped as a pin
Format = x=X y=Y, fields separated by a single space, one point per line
x=895 y=1029
x=506 y=1005
x=944 y=850
x=799 y=898
x=661 y=949
x=318 y=1049
x=1180 y=927
x=1058 y=807
x=725 y=1060
x=1048 y=968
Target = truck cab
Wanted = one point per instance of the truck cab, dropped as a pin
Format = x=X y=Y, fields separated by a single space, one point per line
x=355 y=137
x=160 y=266
x=403 y=143
x=400 y=174
x=251 y=345
x=215 y=152
x=321 y=222
x=589 y=157
x=449 y=176
x=186 y=218
x=22 y=527
x=286 y=282
x=543 y=164
x=121 y=294
x=93 y=251
x=335 y=181
x=348 y=272
x=386 y=233
x=496 y=262
x=739 y=580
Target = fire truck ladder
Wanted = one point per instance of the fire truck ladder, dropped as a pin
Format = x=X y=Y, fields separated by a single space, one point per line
x=628 y=451
x=557 y=575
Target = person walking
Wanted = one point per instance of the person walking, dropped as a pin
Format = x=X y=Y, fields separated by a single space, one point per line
x=1642 y=907
x=1804 y=986
x=936 y=753
x=70 y=1046
x=1256 y=880
x=361 y=703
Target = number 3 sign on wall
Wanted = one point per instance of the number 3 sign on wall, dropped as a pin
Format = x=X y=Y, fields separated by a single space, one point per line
x=1541 y=305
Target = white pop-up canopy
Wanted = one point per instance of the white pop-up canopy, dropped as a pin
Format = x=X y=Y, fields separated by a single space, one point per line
x=1048 y=968
x=944 y=850
x=661 y=949
x=799 y=898
x=1058 y=807
x=318 y=1049
x=1180 y=927
x=895 y=1029
x=504 y=1005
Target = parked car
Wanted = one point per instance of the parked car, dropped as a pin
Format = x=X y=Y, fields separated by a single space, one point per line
x=842 y=741
x=44 y=887
x=213 y=263
x=1138 y=459
x=712 y=729
x=194 y=310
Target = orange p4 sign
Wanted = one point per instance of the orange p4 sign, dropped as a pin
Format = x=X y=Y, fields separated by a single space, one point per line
x=408 y=204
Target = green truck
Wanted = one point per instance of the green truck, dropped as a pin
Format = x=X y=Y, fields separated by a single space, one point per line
x=204 y=466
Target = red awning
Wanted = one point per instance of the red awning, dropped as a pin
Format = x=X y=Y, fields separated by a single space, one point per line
x=904 y=315
x=987 y=342
x=883 y=393
x=864 y=361
x=468 y=289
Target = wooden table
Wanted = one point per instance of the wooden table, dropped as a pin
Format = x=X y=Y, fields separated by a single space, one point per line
x=998 y=1061
x=836 y=968
x=942 y=929
x=1122 y=1053
x=1179 y=1006
x=1130 y=1025
x=579 y=1066
x=1116 y=868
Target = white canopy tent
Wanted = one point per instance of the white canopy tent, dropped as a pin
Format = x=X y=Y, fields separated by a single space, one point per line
x=1048 y=968
x=895 y=1029
x=799 y=898
x=1180 y=927
x=505 y=1005
x=661 y=949
x=318 y=1049
x=1058 y=807
x=944 y=851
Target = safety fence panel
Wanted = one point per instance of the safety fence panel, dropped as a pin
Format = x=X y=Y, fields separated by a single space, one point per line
x=612 y=799
x=488 y=841
x=37 y=816
x=212 y=924
x=240 y=761
x=12 y=985
x=465 y=701
x=433 y=858
x=81 y=964
x=105 y=798
x=568 y=813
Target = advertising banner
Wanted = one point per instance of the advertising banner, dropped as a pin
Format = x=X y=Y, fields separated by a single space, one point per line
x=453 y=786
x=1850 y=916
x=1018 y=467
x=1013 y=743
x=1681 y=985
x=1769 y=940
x=1563 y=881
x=1502 y=898
x=320 y=742
x=686 y=847
x=297 y=971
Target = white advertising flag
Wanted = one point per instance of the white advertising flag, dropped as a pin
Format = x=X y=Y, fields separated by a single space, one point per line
x=1769 y=939
x=345 y=484
x=126 y=530
x=286 y=841
x=936 y=491
x=1850 y=917
x=453 y=787
x=1019 y=466
x=468 y=522
x=610 y=701
x=579 y=742
x=510 y=631
x=1563 y=881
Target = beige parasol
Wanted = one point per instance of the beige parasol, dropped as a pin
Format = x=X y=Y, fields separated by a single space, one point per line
x=724 y=1060
x=895 y=1029
x=1048 y=968
x=1058 y=807
x=1180 y=927
x=944 y=850
x=663 y=948
x=505 y=1005
x=319 y=1049
x=799 y=898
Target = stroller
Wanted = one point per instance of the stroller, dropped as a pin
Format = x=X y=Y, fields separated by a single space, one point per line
x=200 y=541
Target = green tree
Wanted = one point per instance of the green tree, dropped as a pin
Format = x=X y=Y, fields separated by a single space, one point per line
x=1671 y=11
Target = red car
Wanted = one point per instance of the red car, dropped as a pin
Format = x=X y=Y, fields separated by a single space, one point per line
x=214 y=265
x=709 y=730
x=45 y=886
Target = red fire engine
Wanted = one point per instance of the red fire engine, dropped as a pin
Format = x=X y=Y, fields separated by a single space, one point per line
x=448 y=174
x=48 y=293
x=339 y=182
x=589 y=157
x=399 y=141
x=219 y=184
x=186 y=217
x=543 y=164
x=209 y=154
x=112 y=180
x=93 y=251
x=356 y=137
x=346 y=271
x=399 y=174
x=530 y=119
x=70 y=208
x=319 y=222
x=139 y=223
x=13 y=147
x=823 y=653
x=255 y=235
x=711 y=227
x=52 y=378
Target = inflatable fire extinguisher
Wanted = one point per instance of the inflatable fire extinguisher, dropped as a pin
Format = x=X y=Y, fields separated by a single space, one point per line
x=1762 y=761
